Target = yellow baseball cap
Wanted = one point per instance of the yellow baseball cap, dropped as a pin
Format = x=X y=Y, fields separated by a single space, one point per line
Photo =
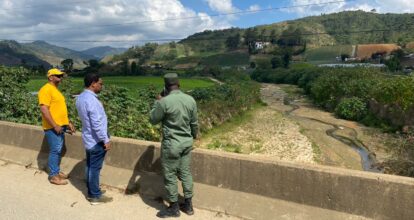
x=54 y=71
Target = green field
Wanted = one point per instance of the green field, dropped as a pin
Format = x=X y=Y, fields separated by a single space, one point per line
x=327 y=54
x=130 y=82
x=226 y=59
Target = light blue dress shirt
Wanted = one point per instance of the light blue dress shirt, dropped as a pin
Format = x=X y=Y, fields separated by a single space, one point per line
x=93 y=117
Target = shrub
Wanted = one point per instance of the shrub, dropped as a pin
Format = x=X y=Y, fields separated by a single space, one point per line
x=351 y=108
x=16 y=103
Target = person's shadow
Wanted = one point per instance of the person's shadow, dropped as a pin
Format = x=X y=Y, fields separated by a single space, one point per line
x=147 y=180
x=77 y=177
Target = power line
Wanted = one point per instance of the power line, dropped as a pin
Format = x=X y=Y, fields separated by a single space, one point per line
x=39 y=6
x=186 y=18
x=223 y=38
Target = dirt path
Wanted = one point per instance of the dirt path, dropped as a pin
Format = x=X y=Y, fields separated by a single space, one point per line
x=291 y=128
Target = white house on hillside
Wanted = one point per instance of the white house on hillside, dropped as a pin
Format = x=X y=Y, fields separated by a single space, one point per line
x=259 y=45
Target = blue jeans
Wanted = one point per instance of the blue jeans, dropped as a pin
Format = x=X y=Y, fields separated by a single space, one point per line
x=55 y=142
x=94 y=161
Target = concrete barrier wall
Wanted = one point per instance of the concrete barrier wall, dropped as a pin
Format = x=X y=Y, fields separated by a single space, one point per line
x=371 y=195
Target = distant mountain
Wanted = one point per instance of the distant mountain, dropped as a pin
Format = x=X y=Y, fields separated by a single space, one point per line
x=101 y=52
x=55 y=54
x=39 y=53
x=12 y=54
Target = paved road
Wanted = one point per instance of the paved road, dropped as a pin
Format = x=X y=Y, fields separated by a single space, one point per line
x=26 y=194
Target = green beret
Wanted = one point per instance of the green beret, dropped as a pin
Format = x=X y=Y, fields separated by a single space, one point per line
x=171 y=79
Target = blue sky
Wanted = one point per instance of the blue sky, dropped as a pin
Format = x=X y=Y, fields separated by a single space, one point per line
x=81 y=24
x=248 y=20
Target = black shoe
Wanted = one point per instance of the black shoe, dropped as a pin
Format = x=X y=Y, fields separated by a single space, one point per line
x=100 y=200
x=172 y=211
x=102 y=192
x=187 y=207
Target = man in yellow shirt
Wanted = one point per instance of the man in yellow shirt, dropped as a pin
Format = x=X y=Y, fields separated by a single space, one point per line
x=55 y=123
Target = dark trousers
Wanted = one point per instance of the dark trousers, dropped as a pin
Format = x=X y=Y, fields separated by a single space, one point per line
x=94 y=161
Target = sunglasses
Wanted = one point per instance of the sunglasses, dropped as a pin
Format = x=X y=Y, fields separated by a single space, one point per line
x=58 y=76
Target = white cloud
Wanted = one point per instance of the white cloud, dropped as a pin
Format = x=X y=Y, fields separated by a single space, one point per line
x=382 y=6
x=396 y=6
x=254 y=7
x=85 y=21
x=222 y=6
x=313 y=7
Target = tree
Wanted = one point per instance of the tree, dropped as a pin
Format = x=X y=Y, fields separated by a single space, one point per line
x=173 y=44
x=277 y=62
x=285 y=53
x=291 y=37
x=393 y=64
x=263 y=35
x=250 y=37
x=287 y=57
x=233 y=42
x=92 y=65
x=134 y=69
x=252 y=65
x=125 y=67
x=273 y=39
x=67 y=65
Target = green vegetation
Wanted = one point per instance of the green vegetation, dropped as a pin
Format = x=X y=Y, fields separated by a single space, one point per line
x=226 y=59
x=225 y=146
x=365 y=94
x=317 y=153
x=131 y=83
x=127 y=112
x=223 y=102
x=327 y=54
x=351 y=108
x=16 y=104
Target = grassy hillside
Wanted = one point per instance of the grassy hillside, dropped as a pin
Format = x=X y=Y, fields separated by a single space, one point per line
x=322 y=35
x=338 y=26
x=54 y=54
x=13 y=53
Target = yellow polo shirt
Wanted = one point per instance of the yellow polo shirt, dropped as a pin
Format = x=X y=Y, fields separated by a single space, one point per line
x=50 y=96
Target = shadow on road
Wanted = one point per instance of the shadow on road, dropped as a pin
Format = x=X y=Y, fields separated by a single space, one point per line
x=147 y=181
x=77 y=177
x=43 y=155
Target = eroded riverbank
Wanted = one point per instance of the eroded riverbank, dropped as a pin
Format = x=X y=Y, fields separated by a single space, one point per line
x=290 y=128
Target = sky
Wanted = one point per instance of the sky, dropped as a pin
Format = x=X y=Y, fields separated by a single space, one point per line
x=82 y=24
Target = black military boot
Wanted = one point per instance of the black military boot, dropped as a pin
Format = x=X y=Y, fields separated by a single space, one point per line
x=187 y=207
x=172 y=211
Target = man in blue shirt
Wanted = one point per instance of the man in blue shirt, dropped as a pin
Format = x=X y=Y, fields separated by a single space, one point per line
x=94 y=135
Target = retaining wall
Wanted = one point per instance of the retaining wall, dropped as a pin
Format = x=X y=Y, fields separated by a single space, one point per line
x=135 y=166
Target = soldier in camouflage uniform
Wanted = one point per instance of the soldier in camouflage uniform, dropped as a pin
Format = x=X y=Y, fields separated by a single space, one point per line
x=177 y=112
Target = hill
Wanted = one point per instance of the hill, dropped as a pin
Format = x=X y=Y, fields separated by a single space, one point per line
x=349 y=28
x=322 y=37
x=12 y=53
x=101 y=52
x=55 y=54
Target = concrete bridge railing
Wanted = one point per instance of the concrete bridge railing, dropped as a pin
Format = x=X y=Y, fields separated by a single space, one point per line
x=237 y=184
